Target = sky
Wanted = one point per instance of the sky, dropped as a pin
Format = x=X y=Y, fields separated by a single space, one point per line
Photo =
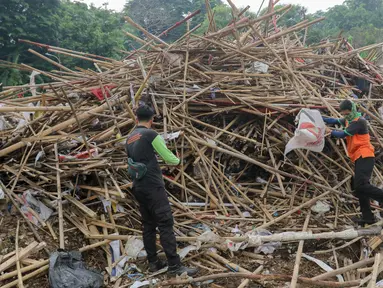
x=312 y=5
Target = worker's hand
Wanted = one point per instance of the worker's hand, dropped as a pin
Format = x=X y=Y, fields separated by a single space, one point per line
x=182 y=133
x=328 y=131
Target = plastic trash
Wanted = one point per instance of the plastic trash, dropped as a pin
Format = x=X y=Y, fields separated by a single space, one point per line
x=235 y=246
x=258 y=67
x=32 y=82
x=67 y=270
x=78 y=156
x=211 y=141
x=212 y=94
x=2 y=194
x=185 y=251
x=380 y=110
x=246 y=214
x=310 y=132
x=133 y=272
x=31 y=202
x=133 y=247
x=3 y=201
x=260 y=180
x=322 y=265
x=106 y=204
x=202 y=226
x=172 y=59
x=210 y=237
x=3 y=122
x=235 y=230
x=138 y=284
x=98 y=92
x=266 y=248
x=320 y=207
x=39 y=155
x=170 y=136
x=118 y=270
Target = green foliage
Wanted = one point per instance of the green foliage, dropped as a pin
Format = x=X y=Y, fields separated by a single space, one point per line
x=67 y=24
x=76 y=26
x=222 y=17
x=295 y=15
x=28 y=19
x=360 y=21
x=158 y=15
x=91 y=30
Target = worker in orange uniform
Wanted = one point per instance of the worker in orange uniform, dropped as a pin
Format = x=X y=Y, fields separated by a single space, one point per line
x=361 y=152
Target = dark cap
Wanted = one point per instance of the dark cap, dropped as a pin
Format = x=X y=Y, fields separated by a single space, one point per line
x=345 y=105
x=144 y=113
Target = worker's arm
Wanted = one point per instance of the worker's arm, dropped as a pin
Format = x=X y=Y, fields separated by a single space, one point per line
x=339 y=134
x=159 y=145
x=333 y=121
x=356 y=127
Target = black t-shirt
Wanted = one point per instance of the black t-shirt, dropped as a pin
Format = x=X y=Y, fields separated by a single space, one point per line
x=359 y=126
x=139 y=148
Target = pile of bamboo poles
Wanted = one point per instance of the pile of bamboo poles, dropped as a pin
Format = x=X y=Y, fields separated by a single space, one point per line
x=234 y=92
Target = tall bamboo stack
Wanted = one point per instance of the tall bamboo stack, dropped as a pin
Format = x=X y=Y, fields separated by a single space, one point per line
x=234 y=94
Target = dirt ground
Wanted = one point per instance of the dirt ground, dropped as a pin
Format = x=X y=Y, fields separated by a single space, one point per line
x=280 y=262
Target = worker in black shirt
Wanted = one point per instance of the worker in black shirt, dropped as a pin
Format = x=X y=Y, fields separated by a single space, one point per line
x=149 y=190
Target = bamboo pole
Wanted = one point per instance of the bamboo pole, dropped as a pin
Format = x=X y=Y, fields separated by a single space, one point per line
x=19 y=276
x=256 y=277
x=59 y=201
x=62 y=125
x=298 y=257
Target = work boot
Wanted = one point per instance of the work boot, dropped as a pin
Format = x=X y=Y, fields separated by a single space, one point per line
x=180 y=269
x=156 y=266
x=363 y=222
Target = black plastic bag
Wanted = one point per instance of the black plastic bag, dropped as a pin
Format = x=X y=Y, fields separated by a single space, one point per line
x=67 y=270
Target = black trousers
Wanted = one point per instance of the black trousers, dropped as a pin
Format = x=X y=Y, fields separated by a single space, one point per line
x=363 y=189
x=155 y=211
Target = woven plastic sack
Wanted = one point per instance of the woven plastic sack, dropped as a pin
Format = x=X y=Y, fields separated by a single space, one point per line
x=67 y=270
x=309 y=133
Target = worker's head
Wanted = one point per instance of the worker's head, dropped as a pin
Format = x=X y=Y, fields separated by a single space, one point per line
x=145 y=115
x=348 y=110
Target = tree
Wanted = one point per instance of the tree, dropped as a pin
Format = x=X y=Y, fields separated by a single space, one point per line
x=296 y=14
x=358 y=20
x=222 y=17
x=30 y=19
x=166 y=14
x=89 y=29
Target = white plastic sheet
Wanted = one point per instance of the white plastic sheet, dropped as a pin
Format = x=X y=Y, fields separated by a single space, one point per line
x=310 y=132
x=322 y=265
x=31 y=202
x=138 y=284
x=118 y=270
x=258 y=67
x=381 y=116
x=133 y=247
x=185 y=251
x=170 y=136
x=320 y=207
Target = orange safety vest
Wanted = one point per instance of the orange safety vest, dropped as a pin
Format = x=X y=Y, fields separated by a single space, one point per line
x=359 y=145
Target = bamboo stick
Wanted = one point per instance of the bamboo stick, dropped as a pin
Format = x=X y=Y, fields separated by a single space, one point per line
x=59 y=201
x=19 y=277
